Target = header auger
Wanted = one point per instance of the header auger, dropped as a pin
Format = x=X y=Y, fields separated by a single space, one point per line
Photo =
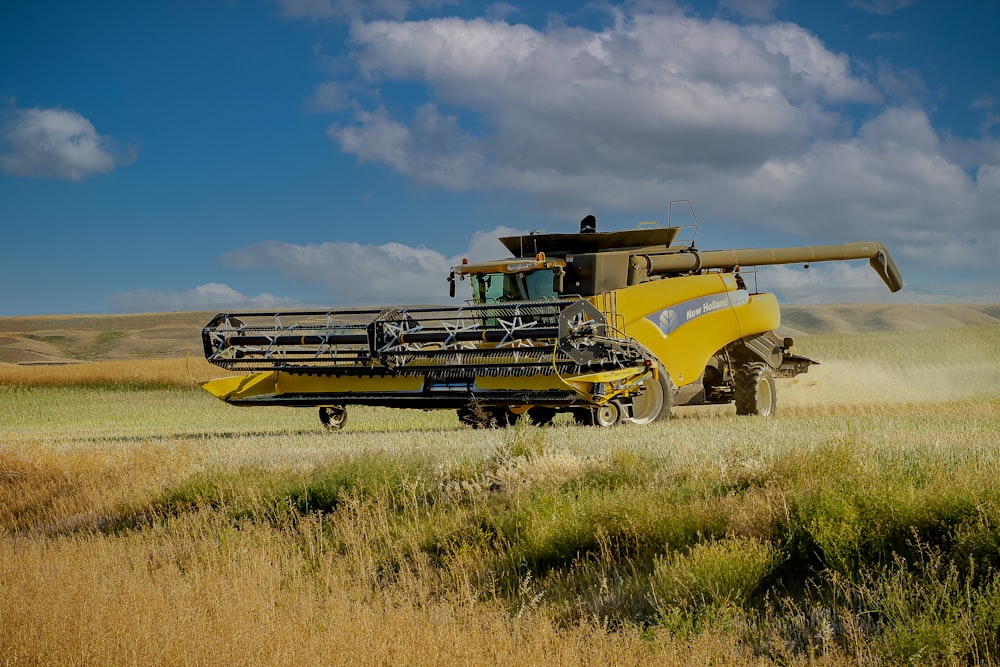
x=609 y=326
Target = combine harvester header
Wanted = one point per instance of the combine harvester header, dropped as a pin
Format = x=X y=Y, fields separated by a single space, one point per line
x=610 y=326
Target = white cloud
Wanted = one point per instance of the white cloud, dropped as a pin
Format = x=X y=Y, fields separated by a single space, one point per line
x=901 y=83
x=747 y=120
x=354 y=275
x=433 y=149
x=56 y=143
x=357 y=274
x=829 y=275
x=834 y=282
x=210 y=296
x=892 y=183
x=330 y=96
x=484 y=245
x=654 y=96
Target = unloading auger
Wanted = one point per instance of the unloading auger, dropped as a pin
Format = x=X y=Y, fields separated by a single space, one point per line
x=609 y=326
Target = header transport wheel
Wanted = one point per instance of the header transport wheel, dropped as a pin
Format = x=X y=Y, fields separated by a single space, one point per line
x=755 y=390
x=333 y=417
x=609 y=414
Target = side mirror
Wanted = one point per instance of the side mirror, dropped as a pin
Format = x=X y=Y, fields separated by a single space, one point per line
x=557 y=279
x=451 y=285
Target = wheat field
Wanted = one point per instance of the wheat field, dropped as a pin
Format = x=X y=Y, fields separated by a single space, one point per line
x=144 y=522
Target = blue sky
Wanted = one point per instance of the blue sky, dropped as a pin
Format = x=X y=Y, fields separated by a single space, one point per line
x=278 y=153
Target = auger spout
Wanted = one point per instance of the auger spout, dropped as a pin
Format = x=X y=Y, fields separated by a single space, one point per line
x=692 y=260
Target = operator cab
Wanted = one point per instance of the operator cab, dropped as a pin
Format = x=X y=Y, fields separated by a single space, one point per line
x=534 y=279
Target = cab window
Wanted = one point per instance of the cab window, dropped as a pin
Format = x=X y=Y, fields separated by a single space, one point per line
x=499 y=287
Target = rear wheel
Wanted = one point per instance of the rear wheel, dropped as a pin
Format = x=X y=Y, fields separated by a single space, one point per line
x=755 y=390
x=333 y=417
x=655 y=401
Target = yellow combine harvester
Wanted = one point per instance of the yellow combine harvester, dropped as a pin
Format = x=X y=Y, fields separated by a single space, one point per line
x=609 y=326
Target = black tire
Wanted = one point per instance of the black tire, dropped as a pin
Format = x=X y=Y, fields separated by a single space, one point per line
x=755 y=391
x=655 y=401
x=333 y=417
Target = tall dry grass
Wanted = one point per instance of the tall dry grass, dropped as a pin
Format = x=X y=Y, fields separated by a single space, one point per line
x=198 y=590
x=171 y=372
x=147 y=523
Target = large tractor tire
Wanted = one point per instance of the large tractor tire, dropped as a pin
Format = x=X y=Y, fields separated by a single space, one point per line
x=333 y=417
x=655 y=401
x=755 y=391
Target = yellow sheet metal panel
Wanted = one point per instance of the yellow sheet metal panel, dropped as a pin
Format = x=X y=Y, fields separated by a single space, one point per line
x=761 y=313
x=289 y=383
x=243 y=386
x=685 y=320
x=274 y=383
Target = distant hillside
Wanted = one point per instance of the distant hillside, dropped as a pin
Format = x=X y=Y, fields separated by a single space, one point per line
x=61 y=339
x=868 y=318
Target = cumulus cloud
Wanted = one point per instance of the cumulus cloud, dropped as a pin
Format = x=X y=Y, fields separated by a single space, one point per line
x=357 y=274
x=891 y=183
x=901 y=83
x=56 y=143
x=433 y=149
x=210 y=296
x=666 y=91
x=353 y=274
x=330 y=96
x=656 y=97
x=748 y=120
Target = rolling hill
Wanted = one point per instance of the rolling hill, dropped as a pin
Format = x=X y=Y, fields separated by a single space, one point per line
x=73 y=338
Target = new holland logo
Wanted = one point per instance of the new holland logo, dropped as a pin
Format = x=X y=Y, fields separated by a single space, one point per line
x=673 y=317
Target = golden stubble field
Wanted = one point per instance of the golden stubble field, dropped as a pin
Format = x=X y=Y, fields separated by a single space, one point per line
x=144 y=522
